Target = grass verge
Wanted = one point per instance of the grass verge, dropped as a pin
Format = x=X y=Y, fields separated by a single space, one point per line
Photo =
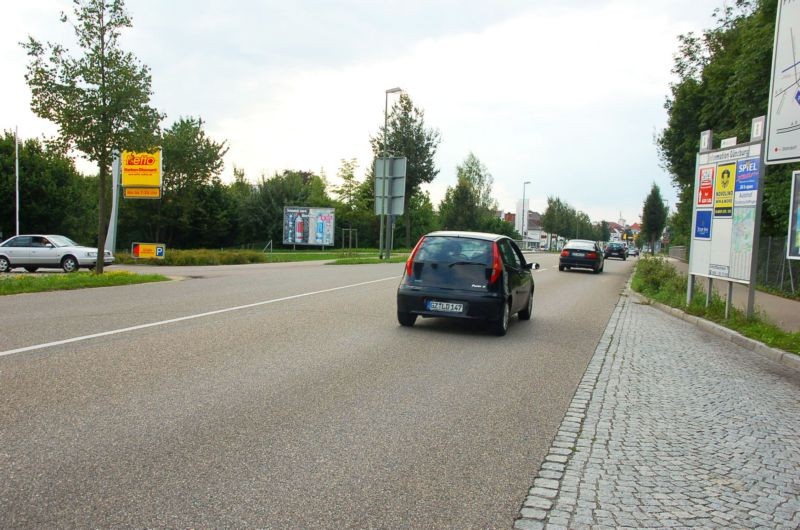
x=35 y=283
x=368 y=260
x=241 y=257
x=658 y=280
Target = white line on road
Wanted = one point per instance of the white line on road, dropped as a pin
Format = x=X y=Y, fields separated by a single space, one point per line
x=188 y=317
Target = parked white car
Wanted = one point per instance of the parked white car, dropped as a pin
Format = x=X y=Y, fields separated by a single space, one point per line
x=48 y=251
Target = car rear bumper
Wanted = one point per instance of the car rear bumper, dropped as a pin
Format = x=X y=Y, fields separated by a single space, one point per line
x=579 y=263
x=477 y=306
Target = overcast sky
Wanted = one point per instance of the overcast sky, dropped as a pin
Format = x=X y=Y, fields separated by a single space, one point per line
x=566 y=94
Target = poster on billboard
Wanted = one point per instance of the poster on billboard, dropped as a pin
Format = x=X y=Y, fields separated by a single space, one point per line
x=793 y=249
x=745 y=190
x=723 y=191
x=705 y=187
x=308 y=226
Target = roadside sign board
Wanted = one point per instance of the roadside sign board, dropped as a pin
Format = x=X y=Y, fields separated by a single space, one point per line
x=390 y=185
x=793 y=249
x=148 y=250
x=141 y=193
x=783 y=124
x=723 y=225
x=308 y=226
x=141 y=169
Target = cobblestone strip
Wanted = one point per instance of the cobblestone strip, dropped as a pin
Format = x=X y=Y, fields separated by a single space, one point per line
x=551 y=479
x=672 y=427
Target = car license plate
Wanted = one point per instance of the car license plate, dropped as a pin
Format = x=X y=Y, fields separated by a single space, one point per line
x=445 y=307
x=578 y=254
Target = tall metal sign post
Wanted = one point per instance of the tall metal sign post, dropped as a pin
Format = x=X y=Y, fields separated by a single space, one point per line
x=390 y=193
x=726 y=214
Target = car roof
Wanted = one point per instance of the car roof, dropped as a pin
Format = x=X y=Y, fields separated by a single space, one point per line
x=472 y=235
x=581 y=241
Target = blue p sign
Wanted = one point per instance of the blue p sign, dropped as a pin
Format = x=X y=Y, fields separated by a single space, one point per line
x=159 y=251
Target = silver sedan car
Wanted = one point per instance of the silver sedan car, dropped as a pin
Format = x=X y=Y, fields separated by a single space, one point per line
x=48 y=251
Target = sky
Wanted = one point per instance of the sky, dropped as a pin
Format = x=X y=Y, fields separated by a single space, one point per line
x=566 y=94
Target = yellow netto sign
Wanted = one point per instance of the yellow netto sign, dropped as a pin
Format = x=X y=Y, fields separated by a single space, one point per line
x=142 y=193
x=141 y=169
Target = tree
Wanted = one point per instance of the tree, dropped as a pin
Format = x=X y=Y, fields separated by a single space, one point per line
x=406 y=135
x=49 y=183
x=723 y=83
x=469 y=204
x=654 y=217
x=100 y=100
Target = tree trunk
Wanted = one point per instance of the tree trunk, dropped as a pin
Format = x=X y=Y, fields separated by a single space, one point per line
x=102 y=217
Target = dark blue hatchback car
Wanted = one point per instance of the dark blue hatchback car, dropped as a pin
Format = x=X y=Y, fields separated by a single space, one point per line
x=466 y=275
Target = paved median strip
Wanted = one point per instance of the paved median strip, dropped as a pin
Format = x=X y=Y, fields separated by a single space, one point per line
x=187 y=317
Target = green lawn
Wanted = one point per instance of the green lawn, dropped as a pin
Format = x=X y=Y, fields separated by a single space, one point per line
x=35 y=283
x=239 y=257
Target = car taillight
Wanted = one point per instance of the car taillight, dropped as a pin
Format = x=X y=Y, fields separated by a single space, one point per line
x=410 y=262
x=591 y=255
x=565 y=253
x=497 y=265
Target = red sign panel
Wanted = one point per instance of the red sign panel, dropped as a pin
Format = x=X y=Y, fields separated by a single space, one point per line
x=705 y=186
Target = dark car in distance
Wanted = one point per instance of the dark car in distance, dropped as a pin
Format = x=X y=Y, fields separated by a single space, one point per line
x=617 y=250
x=581 y=254
x=466 y=275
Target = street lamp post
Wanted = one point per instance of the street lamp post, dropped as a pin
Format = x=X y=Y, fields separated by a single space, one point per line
x=384 y=194
x=524 y=212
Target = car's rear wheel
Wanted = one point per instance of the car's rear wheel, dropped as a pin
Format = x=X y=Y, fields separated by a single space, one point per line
x=406 y=319
x=5 y=265
x=526 y=313
x=31 y=269
x=69 y=264
x=500 y=327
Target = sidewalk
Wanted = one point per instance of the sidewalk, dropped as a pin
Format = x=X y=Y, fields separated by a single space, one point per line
x=782 y=312
x=672 y=427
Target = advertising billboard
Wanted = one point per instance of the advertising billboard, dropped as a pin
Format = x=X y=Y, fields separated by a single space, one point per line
x=308 y=226
x=793 y=249
x=727 y=184
x=141 y=169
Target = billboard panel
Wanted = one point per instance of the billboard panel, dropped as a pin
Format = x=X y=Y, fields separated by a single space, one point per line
x=141 y=169
x=308 y=226
x=793 y=249
x=783 y=125
x=723 y=220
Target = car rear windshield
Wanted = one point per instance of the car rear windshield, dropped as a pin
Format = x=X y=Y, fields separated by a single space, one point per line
x=454 y=262
x=579 y=245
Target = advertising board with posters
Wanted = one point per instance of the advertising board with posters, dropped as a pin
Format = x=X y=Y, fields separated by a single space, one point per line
x=723 y=227
x=793 y=250
x=140 y=169
x=308 y=226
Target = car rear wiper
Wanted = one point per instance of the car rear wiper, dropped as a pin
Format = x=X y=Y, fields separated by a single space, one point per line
x=467 y=263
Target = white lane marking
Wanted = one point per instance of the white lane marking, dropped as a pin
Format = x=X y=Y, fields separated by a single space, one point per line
x=188 y=317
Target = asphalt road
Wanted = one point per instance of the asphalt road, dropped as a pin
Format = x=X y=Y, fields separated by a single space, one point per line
x=308 y=408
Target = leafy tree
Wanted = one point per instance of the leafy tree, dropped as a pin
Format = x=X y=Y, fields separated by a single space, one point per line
x=192 y=211
x=49 y=183
x=262 y=218
x=654 y=217
x=406 y=135
x=723 y=83
x=423 y=217
x=348 y=190
x=469 y=204
x=100 y=100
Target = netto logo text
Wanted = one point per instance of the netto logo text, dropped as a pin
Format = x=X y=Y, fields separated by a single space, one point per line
x=140 y=160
